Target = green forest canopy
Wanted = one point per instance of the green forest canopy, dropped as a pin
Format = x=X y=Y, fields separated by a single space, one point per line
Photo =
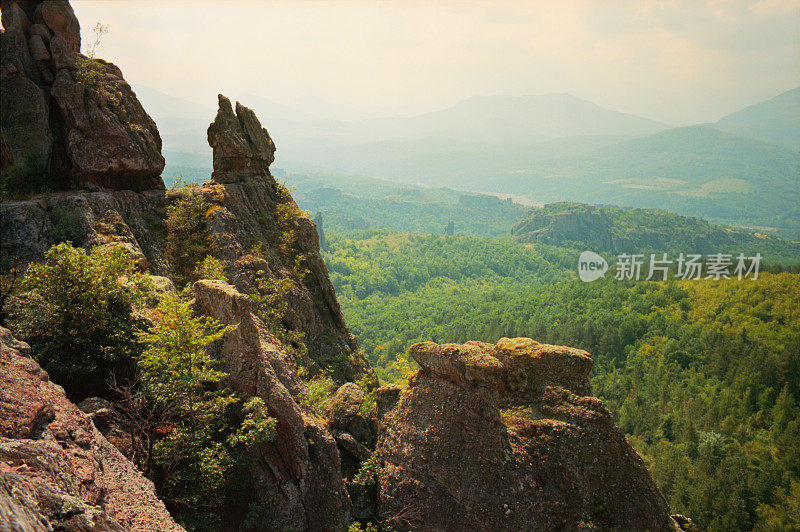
x=702 y=376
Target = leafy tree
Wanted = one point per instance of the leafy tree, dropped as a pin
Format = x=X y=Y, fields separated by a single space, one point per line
x=188 y=240
x=77 y=314
x=209 y=434
x=175 y=364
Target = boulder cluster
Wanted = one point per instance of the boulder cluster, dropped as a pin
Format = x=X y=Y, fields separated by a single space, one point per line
x=65 y=116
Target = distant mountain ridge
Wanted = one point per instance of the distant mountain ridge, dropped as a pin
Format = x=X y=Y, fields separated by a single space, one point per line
x=485 y=119
x=743 y=170
x=776 y=120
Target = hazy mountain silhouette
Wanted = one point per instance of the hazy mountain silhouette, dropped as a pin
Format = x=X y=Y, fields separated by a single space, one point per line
x=776 y=120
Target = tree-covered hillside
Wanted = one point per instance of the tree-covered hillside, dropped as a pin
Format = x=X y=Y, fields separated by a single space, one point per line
x=703 y=376
x=615 y=230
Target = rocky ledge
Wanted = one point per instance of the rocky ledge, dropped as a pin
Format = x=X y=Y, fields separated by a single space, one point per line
x=57 y=472
x=508 y=437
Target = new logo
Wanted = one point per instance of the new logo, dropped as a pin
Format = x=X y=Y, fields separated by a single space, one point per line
x=591 y=266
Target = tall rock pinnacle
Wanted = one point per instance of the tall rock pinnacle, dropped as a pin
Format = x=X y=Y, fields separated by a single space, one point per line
x=242 y=148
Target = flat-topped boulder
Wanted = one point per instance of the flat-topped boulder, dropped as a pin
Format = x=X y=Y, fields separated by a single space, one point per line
x=507 y=436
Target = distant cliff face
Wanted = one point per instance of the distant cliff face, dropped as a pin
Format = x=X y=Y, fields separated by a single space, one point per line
x=573 y=224
x=508 y=437
x=69 y=117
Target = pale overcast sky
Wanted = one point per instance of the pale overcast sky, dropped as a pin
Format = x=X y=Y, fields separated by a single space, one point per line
x=674 y=61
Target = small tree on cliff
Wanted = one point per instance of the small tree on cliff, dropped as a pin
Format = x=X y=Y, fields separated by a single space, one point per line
x=202 y=448
x=176 y=366
x=188 y=240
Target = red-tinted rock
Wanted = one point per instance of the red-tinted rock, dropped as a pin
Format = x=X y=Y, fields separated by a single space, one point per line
x=61 y=19
x=242 y=148
x=24 y=124
x=507 y=437
x=56 y=470
x=71 y=118
x=110 y=139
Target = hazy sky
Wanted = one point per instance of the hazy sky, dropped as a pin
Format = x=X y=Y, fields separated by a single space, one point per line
x=678 y=62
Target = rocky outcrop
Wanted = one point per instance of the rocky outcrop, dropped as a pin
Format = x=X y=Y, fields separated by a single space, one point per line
x=508 y=437
x=566 y=224
x=134 y=221
x=71 y=118
x=320 y=223
x=57 y=472
x=241 y=217
x=298 y=475
x=242 y=148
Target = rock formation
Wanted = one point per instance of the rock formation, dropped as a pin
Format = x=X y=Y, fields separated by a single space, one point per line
x=560 y=226
x=57 y=472
x=499 y=437
x=242 y=148
x=508 y=437
x=241 y=217
x=66 y=116
x=319 y=222
x=298 y=475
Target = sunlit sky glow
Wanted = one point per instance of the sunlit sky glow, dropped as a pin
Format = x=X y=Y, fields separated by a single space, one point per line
x=678 y=62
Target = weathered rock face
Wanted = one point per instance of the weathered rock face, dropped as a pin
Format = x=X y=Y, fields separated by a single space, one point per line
x=586 y=224
x=132 y=220
x=298 y=475
x=344 y=413
x=70 y=117
x=242 y=148
x=507 y=437
x=320 y=223
x=56 y=470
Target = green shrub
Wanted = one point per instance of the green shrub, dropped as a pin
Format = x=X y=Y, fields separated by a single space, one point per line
x=77 y=316
x=91 y=73
x=367 y=408
x=257 y=428
x=286 y=214
x=271 y=304
x=317 y=394
x=357 y=527
x=188 y=240
x=212 y=268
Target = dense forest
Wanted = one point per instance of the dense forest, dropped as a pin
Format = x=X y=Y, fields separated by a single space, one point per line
x=703 y=375
x=619 y=230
